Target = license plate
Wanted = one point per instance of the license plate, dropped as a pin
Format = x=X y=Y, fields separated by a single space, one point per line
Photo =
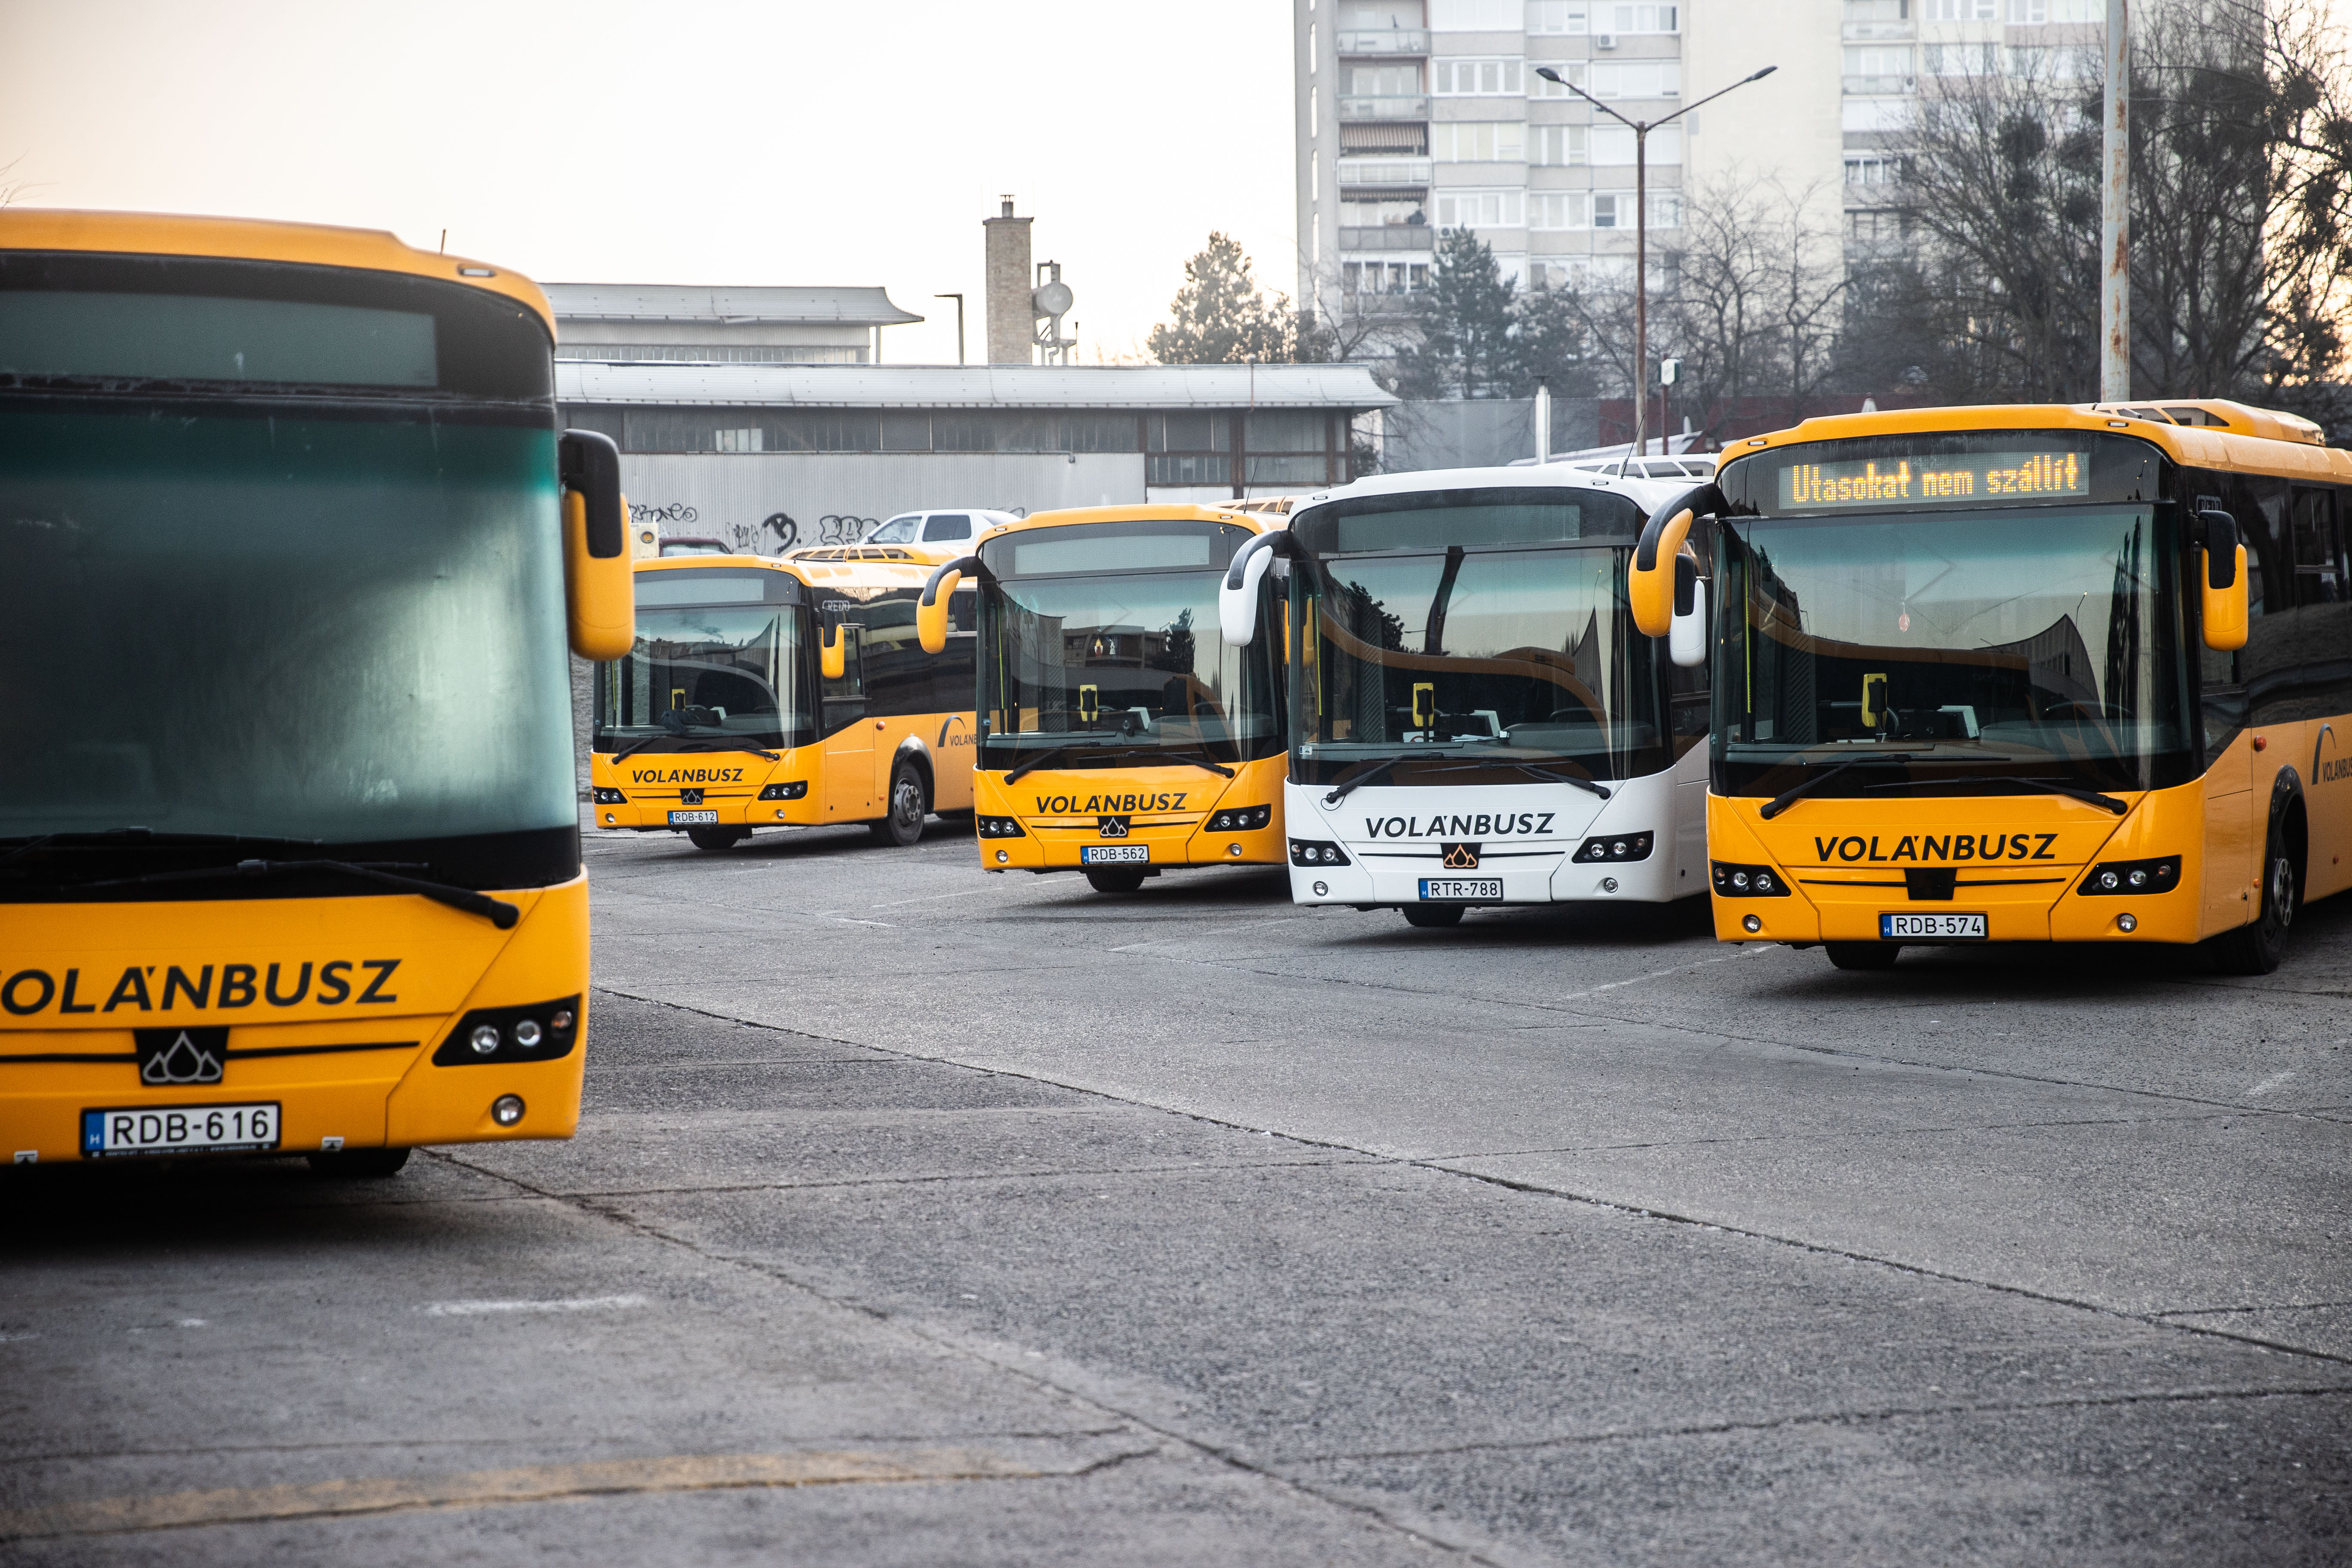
x=693 y=818
x=1456 y=890
x=178 y=1129
x=1937 y=928
x=1115 y=855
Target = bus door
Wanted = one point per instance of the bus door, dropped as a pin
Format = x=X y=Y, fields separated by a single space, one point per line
x=2322 y=609
x=849 y=735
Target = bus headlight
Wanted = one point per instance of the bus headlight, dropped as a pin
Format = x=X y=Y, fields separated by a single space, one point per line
x=1244 y=819
x=2111 y=879
x=998 y=827
x=793 y=791
x=1316 y=852
x=539 y=1032
x=1749 y=881
x=608 y=797
x=1616 y=847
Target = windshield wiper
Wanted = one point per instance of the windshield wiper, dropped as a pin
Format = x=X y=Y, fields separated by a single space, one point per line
x=2043 y=786
x=108 y=837
x=1201 y=763
x=1601 y=790
x=633 y=747
x=1342 y=792
x=1803 y=787
x=498 y=912
x=1033 y=763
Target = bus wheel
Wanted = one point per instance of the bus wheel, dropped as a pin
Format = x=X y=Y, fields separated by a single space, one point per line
x=717 y=838
x=904 y=825
x=1115 y=879
x=358 y=1164
x=2257 y=949
x=1863 y=955
x=1432 y=917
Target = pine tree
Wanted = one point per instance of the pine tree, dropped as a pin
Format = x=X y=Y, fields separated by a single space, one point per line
x=1466 y=321
x=1222 y=317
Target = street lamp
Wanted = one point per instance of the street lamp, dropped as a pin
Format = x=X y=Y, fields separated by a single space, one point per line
x=959 y=300
x=1641 y=130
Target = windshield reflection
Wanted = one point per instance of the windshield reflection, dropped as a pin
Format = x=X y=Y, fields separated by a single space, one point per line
x=704 y=678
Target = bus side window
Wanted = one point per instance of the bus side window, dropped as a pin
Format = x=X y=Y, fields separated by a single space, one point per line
x=851 y=686
x=2318 y=555
x=963 y=611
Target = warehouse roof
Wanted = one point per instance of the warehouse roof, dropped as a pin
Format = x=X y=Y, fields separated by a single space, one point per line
x=725 y=306
x=973 y=387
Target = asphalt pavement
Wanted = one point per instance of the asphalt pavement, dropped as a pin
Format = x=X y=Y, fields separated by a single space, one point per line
x=919 y=1216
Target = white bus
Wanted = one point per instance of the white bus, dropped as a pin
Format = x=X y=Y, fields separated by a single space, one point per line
x=1474 y=718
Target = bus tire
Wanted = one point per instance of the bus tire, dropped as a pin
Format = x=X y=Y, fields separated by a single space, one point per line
x=358 y=1164
x=2256 y=949
x=1434 y=917
x=1862 y=955
x=1115 y=879
x=910 y=804
x=715 y=838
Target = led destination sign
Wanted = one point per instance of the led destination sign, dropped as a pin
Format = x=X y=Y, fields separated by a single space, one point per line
x=1961 y=477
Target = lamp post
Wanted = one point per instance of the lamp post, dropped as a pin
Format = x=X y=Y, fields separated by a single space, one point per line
x=1641 y=130
x=959 y=300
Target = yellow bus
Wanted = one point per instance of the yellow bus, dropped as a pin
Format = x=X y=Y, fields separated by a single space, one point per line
x=1120 y=734
x=2019 y=674
x=289 y=545
x=763 y=693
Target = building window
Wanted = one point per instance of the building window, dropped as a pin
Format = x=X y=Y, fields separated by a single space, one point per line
x=1557 y=16
x=1387 y=211
x=1615 y=209
x=1877 y=227
x=1559 y=210
x=1874 y=169
x=1386 y=277
x=1556 y=146
x=1475 y=16
x=1879 y=68
x=1479 y=142
x=2041 y=63
x=1480 y=209
x=1619 y=18
x=2032 y=13
x=1963 y=10
x=1613 y=144
x=1477 y=79
x=1544 y=87
x=1962 y=59
x=1637 y=78
x=750 y=440
x=1383 y=81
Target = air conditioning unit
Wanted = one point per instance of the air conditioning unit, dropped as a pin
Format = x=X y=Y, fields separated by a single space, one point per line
x=1910 y=84
x=1604 y=40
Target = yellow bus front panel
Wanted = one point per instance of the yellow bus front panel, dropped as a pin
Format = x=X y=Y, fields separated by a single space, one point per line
x=332 y=1011
x=1172 y=813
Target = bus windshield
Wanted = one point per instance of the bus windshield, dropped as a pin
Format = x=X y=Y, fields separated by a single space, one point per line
x=1110 y=669
x=2041 y=645
x=704 y=676
x=1480 y=654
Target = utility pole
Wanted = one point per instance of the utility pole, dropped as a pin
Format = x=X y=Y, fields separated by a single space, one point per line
x=2114 y=214
x=959 y=300
x=1641 y=130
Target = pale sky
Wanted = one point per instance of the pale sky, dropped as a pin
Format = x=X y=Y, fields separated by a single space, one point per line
x=701 y=142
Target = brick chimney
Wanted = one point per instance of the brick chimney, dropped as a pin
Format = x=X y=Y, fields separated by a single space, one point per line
x=1012 y=321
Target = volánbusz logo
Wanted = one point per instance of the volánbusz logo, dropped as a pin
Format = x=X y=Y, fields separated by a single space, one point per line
x=686 y=775
x=1485 y=825
x=1113 y=804
x=1945 y=847
x=154 y=988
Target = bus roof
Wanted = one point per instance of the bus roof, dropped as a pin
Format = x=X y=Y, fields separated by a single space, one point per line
x=2203 y=433
x=901 y=573
x=256 y=240
x=1150 y=512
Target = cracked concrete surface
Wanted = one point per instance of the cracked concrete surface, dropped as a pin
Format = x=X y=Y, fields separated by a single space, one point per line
x=1193 y=1227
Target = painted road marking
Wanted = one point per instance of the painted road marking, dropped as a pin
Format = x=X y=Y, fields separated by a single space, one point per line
x=577 y=1304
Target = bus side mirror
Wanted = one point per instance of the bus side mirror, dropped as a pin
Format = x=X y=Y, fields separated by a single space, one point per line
x=931 y=609
x=833 y=651
x=1238 y=595
x=2224 y=607
x=599 y=589
x=1686 y=639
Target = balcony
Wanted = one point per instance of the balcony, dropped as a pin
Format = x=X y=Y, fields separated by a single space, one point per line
x=1385 y=41
x=1394 y=106
x=1876 y=32
x=1385 y=174
x=1388 y=236
x=1880 y=85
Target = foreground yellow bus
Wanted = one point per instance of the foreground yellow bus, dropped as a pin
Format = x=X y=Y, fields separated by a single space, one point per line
x=1120 y=734
x=289 y=544
x=2019 y=674
x=762 y=693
